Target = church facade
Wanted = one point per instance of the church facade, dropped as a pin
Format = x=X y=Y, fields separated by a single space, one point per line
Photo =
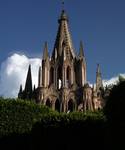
x=62 y=79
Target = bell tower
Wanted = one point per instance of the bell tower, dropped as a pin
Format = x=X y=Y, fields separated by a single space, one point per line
x=57 y=74
x=62 y=81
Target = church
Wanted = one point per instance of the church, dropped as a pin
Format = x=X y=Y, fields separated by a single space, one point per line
x=62 y=78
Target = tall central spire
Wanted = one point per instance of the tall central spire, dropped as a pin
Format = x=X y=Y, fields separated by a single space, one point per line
x=63 y=36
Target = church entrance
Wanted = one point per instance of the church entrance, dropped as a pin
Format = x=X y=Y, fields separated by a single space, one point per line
x=70 y=105
x=48 y=103
x=57 y=105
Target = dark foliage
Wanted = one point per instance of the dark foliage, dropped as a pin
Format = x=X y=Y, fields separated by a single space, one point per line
x=115 y=106
x=115 y=113
x=25 y=125
x=73 y=131
x=18 y=116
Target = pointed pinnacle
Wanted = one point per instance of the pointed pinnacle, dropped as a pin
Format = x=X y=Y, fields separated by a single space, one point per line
x=28 y=85
x=45 y=52
x=29 y=70
x=55 y=53
x=81 y=51
x=34 y=87
x=98 y=68
x=21 y=89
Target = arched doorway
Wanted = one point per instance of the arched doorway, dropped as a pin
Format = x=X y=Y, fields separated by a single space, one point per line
x=51 y=75
x=70 y=105
x=48 y=102
x=57 y=105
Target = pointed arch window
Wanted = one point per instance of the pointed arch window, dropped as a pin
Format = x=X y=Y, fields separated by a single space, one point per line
x=59 y=77
x=68 y=76
x=51 y=75
x=48 y=103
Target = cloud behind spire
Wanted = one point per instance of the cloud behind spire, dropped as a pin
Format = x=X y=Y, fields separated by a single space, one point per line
x=13 y=73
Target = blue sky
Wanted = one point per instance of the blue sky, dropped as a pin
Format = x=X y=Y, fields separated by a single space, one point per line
x=26 y=24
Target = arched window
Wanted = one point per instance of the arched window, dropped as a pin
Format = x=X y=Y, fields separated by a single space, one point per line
x=59 y=77
x=48 y=103
x=68 y=76
x=57 y=105
x=51 y=75
x=70 y=105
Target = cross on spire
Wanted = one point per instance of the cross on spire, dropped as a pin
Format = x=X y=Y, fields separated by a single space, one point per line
x=63 y=3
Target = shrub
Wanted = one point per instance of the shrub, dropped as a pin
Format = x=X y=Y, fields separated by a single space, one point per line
x=115 y=106
x=18 y=116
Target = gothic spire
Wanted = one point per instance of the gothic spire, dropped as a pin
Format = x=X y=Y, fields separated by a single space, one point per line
x=55 y=53
x=21 y=89
x=81 y=50
x=98 y=69
x=28 y=85
x=45 y=52
x=98 y=78
x=81 y=55
x=20 y=94
x=34 y=87
x=63 y=36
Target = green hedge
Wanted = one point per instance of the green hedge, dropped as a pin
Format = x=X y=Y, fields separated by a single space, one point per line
x=19 y=117
x=72 y=130
x=63 y=119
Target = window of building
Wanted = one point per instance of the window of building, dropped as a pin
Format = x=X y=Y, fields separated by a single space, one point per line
x=51 y=75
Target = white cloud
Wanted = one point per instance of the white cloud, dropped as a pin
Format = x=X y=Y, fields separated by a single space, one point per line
x=13 y=72
x=113 y=80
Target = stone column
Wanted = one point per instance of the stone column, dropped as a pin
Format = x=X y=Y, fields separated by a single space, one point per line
x=83 y=77
x=48 y=75
x=63 y=71
x=85 y=74
x=45 y=77
x=56 y=77
x=65 y=78
x=61 y=107
x=64 y=103
x=53 y=104
x=72 y=71
x=64 y=107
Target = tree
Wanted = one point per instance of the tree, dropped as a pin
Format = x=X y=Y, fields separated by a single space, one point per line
x=121 y=78
x=115 y=106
